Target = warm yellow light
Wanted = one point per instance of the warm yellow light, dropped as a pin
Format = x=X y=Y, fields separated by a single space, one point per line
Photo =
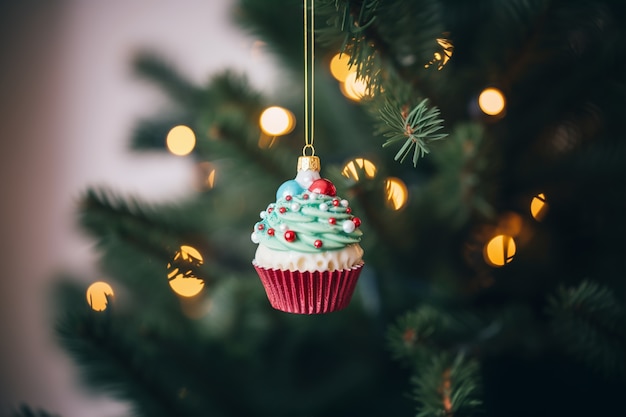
x=207 y=174
x=97 y=294
x=359 y=166
x=339 y=67
x=491 y=101
x=353 y=88
x=500 y=250
x=277 y=121
x=539 y=207
x=181 y=140
x=396 y=192
x=182 y=281
x=442 y=58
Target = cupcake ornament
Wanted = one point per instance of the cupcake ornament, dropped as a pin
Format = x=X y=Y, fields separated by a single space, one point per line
x=308 y=256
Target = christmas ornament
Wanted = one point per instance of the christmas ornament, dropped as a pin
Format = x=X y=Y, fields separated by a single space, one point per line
x=308 y=256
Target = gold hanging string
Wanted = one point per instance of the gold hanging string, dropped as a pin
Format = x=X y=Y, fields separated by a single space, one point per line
x=309 y=101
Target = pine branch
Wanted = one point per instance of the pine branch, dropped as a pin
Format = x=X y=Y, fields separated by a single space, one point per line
x=417 y=128
x=420 y=334
x=153 y=67
x=448 y=387
x=590 y=323
x=348 y=20
x=106 y=215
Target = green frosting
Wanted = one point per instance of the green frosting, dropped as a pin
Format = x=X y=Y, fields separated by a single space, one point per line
x=310 y=216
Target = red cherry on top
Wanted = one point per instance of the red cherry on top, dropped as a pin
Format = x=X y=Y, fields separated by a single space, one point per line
x=323 y=186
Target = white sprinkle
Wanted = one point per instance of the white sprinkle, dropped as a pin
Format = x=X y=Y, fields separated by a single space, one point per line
x=348 y=226
x=254 y=237
x=324 y=207
x=345 y=203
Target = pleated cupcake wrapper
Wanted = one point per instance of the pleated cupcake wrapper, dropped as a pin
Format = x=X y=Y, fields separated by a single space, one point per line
x=308 y=292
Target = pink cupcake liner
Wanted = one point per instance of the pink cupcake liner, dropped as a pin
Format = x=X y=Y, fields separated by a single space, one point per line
x=309 y=292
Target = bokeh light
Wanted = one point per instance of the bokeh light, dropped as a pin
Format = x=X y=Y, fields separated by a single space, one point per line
x=500 y=250
x=277 y=121
x=181 y=278
x=181 y=140
x=354 y=88
x=396 y=192
x=97 y=295
x=339 y=67
x=539 y=207
x=357 y=167
x=442 y=57
x=491 y=101
x=207 y=172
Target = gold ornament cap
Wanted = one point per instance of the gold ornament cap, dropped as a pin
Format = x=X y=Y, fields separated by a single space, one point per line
x=309 y=163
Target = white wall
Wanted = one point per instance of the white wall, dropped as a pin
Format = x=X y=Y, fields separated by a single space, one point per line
x=68 y=100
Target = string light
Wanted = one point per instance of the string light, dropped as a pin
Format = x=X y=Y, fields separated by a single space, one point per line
x=396 y=192
x=539 y=207
x=97 y=295
x=491 y=101
x=207 y=173
x=500 y=250
x=358 y=166
x=181 y=140
x=339 y=67
x=354 y=88
x=181 y=279
x=442 y=57
x=277 y=121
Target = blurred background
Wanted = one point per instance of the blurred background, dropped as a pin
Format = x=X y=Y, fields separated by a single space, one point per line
x=68 y=101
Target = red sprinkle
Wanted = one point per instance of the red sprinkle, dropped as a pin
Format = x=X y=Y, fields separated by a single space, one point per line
x=288 y=197
x=332 y=220
x=290 y=235
x=348 y=210
x=317 y=243
x=260 y=226
x=305 y=196
x=282 y=209
x=357 y=221
x=336 y=203
x=270 y=231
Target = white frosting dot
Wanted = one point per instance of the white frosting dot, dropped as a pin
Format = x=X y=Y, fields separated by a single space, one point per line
x=313 y=196
x=263 y=214
x=324 y=207
x=254 y=237
x=348 y=226
x=283 y=227
x=295 y=207
x=345 y=203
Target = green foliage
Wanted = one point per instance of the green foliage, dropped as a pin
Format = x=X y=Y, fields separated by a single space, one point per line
x=417 y=128
x=590 y=324
x=448 y=386
x=349 y=21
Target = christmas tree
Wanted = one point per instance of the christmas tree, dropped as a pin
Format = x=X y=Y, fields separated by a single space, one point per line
x=484 y=155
